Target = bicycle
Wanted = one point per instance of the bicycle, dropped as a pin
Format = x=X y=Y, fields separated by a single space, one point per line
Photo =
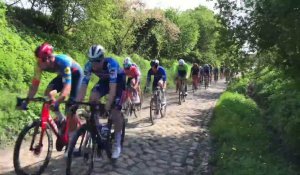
x=156 y=106
x=97 y=138
x=129 y=107
x=38 y=129
x=181 y=94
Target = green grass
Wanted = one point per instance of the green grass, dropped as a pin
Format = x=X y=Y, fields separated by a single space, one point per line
x=241 y=141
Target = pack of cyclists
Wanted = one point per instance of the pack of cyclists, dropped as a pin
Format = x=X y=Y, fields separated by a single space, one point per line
x=72 y=83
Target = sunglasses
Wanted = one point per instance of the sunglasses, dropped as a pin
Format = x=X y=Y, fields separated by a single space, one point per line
x=45 y=58
x=94 y=61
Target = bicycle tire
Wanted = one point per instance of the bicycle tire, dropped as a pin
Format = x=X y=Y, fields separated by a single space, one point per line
x=179 y=97
x=18 y=169
x=83 y=154
x=123 y=133
x=163 y=111
x=151 y=111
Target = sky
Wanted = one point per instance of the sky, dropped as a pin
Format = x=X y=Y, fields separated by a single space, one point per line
x=179 y=4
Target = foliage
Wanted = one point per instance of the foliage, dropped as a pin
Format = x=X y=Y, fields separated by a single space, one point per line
x=277 y=94
x=265 y=26
x=242 y=141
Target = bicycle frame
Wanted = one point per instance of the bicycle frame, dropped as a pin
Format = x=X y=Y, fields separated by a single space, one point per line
x=47 y=119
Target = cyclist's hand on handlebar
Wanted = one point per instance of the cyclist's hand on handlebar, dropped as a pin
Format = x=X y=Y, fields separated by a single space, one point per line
x=22 y=104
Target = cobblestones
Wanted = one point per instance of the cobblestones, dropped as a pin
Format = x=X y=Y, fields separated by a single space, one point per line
x=169 y=147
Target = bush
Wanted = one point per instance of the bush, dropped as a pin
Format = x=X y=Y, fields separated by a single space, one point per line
x=242 y=143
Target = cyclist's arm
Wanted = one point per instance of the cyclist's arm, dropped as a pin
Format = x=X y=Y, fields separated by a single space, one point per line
x=186 y=68
x=113 y=74
x=85 y=81
x=137 y=75
x=164 y=77
x=35 y=82
x=177 y=71
x=149 y=77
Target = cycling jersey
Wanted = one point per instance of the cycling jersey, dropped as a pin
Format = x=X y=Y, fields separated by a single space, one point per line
x=110 y=71
x=160 y=74
x=64 y=66
x=206 y=69
x=182 y=70
x=195 y=70
x=216 y=70
x=133 y=72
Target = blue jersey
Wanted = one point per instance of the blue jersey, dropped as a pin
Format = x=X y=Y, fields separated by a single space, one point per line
x=110 y=71
x=64 y=66
x=160 y=74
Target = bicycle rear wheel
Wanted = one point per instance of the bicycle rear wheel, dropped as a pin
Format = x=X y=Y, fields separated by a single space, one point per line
x=29 y=158
x=81 y=154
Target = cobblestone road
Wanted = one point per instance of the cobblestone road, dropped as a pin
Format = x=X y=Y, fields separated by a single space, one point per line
x=175 y=145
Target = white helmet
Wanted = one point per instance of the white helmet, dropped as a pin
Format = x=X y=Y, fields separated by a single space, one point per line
x=181 y=62
x=127 y=62
x=96 y=51
x=154 y=62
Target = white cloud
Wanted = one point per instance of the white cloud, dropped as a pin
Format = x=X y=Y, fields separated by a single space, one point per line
x=179 y=4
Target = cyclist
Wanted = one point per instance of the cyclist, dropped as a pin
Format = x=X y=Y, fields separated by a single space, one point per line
x=201 y=74
x=112 y=82
x=195 y=75
x=67 y=82
x=222 y=71
x=134 y=76
x=216 y=73
x=206 y=71
x=227 y=72
x=182 y=73
x=160 y=78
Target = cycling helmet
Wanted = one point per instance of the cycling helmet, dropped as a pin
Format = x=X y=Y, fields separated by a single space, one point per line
x=154 y=63
x=127 y=63
x=181 y=62
x=96 y=52
x=43 y=51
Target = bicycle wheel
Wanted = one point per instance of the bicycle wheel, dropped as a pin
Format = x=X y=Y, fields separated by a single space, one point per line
x=81 y=154
x=152 y=110
x=35 y=159
x=163 y=110
x=179 y=97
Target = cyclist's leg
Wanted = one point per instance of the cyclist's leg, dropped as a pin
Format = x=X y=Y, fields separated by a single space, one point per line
x=160 y=84
x=134 y=87
x=55 y=85
x=116 y=116
x=72 y=118
x=98 y=91
x=185 y=84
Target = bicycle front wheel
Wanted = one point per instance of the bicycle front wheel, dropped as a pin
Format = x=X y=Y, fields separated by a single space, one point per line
x=152 y=111
x=81 y=153
x=29 y=157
